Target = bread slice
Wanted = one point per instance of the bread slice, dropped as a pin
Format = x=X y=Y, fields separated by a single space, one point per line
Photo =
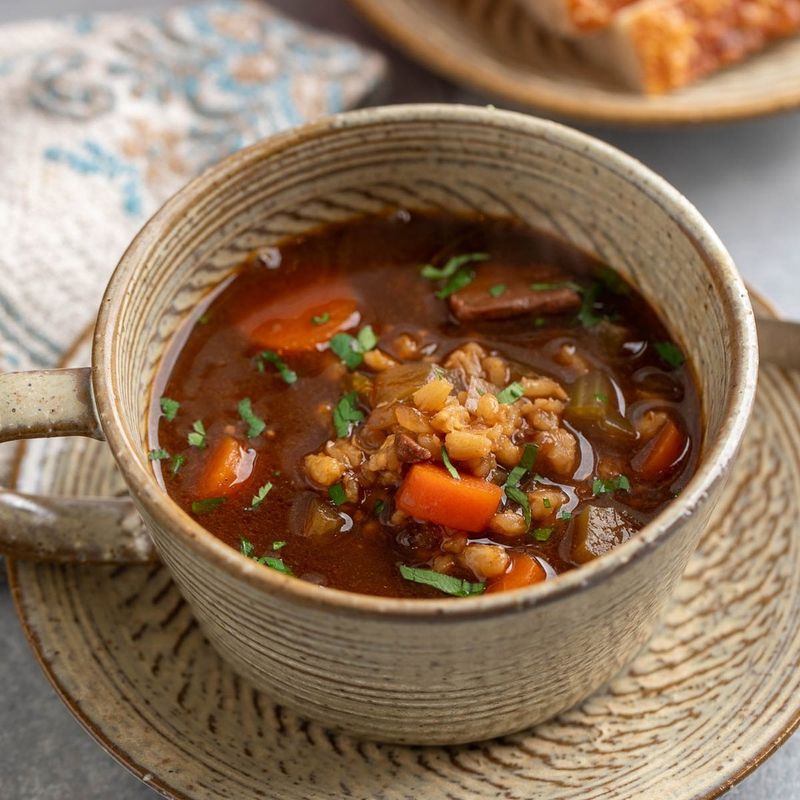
x=574 y=17
x=660 y=45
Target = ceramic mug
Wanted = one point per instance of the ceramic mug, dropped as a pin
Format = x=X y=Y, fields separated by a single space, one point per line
x=411 y=671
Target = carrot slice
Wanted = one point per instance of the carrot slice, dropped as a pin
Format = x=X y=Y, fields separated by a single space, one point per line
x=431 y=494
x=227 y=466
x=661 y=453
x=302 y=320
x=524 y=571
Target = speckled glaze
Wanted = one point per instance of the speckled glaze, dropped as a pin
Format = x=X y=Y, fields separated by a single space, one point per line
x=496 y=47
x=434 y=671
x=713 y=693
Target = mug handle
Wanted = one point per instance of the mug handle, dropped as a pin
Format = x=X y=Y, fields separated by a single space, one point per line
x=60 y=402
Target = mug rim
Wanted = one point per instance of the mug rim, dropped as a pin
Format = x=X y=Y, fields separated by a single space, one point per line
x=730 y=291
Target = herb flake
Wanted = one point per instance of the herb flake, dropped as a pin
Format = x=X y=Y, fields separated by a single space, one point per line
x=452 y=266
x=611 y=485
x=177 y=463
x=209 y=504
x=260 y=495
x=448 y=465
x=511 y=393
x=524 y=466
x=459 y=281
x=197 y=438
x=444 y=583
x=337 y=494
x=346 y=414
x=169 y=408
x=586 y=315
x=497 y=290
x=255 y=424
x=248 y=551
x=518 y=496
x=549 y=287
x=269 y=357
x=542 y=534
x=351 y=349
x=321 y=319
x=670 y=354
x=158 y=454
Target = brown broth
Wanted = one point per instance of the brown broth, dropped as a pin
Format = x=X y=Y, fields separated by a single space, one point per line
x=378 y=260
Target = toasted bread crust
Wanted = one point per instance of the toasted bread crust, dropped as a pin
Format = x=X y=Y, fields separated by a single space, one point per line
x=676 y=42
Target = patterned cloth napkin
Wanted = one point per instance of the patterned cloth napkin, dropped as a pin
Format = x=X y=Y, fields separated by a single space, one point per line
x=103 y=117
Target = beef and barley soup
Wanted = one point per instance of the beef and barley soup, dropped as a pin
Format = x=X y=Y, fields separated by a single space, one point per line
x=419 y=406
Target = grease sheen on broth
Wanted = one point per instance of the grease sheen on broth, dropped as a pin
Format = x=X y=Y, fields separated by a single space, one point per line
x=568 y=414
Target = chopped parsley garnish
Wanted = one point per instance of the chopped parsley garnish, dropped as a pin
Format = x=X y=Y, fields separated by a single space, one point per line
x=246 y=548
x=276 y=472
x=564 y=515
x=351 y=349
x=511 y=393
x=377 y=509
x=248 y=551
x=169 y=408
x=444 y=583
x=518 y=496
x=209 y=504
x=542 y=534
x=346 y=414
x=452 y=266
x=177 y=463
x=366 y=338
x=260 y=495
x=448 y=465
x=157 y=455
x=600 y=486
x=337 y=494
x=586 y=315
x=497 y=290
x=611 y=280
x=321 y=319
x=548 y=287
x=277 y=564
x=197 y=438
x=539 y=322
x=289 y=375
x=670 y=354
x=255 y=424
x=462 y=278
x=601 y=398
x=279 y=545
x=204 y=319
x=524 y=466
x=546 y=503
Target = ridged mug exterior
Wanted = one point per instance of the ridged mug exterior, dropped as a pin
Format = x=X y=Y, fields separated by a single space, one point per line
x=433 y=671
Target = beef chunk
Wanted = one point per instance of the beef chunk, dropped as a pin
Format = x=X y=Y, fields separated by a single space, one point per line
x=475 y=302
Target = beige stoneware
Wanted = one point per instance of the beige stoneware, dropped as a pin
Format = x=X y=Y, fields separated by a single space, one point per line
x=494 y=46
x=433 y=671
x=713 y=693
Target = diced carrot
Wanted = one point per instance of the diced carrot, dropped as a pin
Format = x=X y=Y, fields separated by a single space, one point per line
x=661 y=453
x=227 y=466
x=300 y=321
x=523 y=571
x=430 y=493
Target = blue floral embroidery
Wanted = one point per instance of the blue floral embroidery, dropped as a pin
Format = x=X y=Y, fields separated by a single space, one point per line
x=230 y=72
x=95 y=160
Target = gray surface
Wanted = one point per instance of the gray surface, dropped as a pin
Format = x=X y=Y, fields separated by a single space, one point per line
x=745 y=178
